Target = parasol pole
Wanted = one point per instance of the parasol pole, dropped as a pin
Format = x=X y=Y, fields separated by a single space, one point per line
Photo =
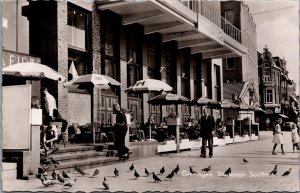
x=92 y=114
x=150 y=132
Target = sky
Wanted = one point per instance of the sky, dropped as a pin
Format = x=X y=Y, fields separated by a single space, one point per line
x=279 y=30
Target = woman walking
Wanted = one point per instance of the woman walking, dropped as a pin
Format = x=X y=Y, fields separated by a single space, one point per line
x=277 y=136
x=295 y=138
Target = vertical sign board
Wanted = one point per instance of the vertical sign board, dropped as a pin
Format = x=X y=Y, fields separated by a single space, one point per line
x=16 y=111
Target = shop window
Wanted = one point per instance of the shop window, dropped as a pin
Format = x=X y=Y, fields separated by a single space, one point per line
x=77 y=28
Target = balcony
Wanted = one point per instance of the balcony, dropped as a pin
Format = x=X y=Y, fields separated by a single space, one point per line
x=214 y=16
x=191 y=23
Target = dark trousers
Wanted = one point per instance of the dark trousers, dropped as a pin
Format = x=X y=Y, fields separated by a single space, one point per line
x=210 y=142
x=119 y=142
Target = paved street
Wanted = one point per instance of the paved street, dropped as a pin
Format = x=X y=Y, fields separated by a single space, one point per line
x=245 y=176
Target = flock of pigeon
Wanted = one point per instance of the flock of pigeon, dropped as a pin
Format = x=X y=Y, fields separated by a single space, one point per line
x=66 y=181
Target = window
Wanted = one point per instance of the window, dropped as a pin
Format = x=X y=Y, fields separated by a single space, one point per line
x=267 y=77
x=77 y=28
x=217 y=83
x=79 y=59
x=134 y=53
x=269 y=96
x=15 y=26
x=109 y=47
x=170 y=63
x=154 y=57
x=229 y=16
x=230 y=63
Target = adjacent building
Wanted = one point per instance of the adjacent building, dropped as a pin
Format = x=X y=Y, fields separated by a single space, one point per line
x=277 y=90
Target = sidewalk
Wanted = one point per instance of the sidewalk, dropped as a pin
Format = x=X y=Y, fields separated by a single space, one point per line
x=245 y=176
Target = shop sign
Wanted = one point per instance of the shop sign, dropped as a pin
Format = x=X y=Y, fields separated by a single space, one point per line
x=10 y=58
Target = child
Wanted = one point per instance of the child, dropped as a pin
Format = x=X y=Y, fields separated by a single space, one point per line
x=295 y=138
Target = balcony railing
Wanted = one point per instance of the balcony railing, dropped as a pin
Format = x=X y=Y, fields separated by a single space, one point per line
x=214 y=16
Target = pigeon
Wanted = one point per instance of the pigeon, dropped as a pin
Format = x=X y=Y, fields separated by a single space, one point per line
x=192 y=171
x=42 y=170
x=116 y=172
x=54 y=175
x=96 y=172
x=176 y=170
x=79 y=170
x=71 y=183
x=60 y=178
x=131 y=168
x=147 y=172
x=170 y=176
x=244 y=160
x=54 y=161
x=206 y=169
x=156 y=179
x=162 y=170
x=274 y=171
x=227 y=172
x=105 y=184
x=287 y=172
x=65 y=175
x=47 y=183
x=136 y=174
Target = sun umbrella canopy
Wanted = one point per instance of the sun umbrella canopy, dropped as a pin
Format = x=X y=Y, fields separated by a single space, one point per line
x=168 y=99
x=283 y=116
x=206 y=102
x=259 y=109
x=247 y=108
x=229 y=105
x=149 y=85
x=32 y=70
x=97 y=81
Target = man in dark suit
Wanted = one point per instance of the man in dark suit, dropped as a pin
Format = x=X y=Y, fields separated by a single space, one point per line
x=207 y=123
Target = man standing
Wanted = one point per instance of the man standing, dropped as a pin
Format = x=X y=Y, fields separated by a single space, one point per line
x=51 y=109
x=207 y=130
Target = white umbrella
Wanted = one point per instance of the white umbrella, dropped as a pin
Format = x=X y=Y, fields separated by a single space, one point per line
x=89 y=81
x=148 y=86
x=32 y=70
x=98 y=81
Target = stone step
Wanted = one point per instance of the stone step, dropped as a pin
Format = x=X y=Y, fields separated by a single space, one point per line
x=86 y=163
x=61 y=158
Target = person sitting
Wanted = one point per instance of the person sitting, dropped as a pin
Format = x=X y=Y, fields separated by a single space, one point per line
x=221 y=130
x=150 y=126
x=49 y=134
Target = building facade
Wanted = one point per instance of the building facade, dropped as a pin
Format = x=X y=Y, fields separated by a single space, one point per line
x=240 y=74
x=277 y=90
x=179 y=42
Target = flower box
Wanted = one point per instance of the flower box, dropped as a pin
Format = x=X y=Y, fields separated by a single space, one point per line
x=173 y=121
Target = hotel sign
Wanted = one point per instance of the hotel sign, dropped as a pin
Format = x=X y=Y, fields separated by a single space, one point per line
x=10 y=58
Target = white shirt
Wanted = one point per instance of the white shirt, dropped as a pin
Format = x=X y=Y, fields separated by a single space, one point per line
x=50 y=103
